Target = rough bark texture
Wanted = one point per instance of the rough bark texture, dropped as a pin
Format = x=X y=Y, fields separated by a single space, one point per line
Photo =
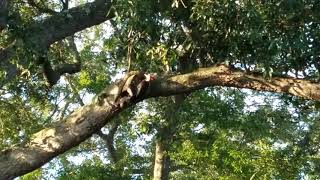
x=159 y=162
x=221 y=75
x=53 y=141
x=66 y=23
x=161 y=170
x=81 y=124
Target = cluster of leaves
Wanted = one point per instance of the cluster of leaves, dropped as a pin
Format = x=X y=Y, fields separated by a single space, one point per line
x=228 y=142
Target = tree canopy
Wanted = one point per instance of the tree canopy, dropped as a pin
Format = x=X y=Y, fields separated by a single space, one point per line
x=235 y=96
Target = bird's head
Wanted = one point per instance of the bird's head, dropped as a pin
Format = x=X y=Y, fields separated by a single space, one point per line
x=149 y=77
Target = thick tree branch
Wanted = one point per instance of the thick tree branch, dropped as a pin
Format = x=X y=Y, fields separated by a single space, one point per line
x=68 y=68
x=66 y=23
x=41 y=34
x=165 y=136
x=221 y=75
x=87 y=120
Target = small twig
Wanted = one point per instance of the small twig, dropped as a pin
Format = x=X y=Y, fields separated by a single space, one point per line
x=129 y=51
x=74 y=91
x=109 y=138
x=253 y=175
x=63 y=111
x=183 y=4
x=56 y=106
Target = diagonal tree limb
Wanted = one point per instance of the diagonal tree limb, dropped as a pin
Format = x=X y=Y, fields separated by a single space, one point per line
x=87 y=120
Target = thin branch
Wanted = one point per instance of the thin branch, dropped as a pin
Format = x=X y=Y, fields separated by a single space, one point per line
x=74 y=90
x=56 y=106
x=74 y=49
x=76 y=54
x=253 y=175
x=63 y=111
x=109 y=138
x=65 y=4
x=129 y=50
x=183 y=4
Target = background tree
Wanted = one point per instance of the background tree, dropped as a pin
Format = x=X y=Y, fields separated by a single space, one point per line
x=204 y=121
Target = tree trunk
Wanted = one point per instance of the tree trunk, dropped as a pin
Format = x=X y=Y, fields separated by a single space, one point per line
x=162 y=162
x=165 y=137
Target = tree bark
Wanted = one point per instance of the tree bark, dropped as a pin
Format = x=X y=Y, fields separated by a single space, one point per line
x=221 y=75
x=39 y=35
x=66 y=23
x=161 y=162
x=87 y=120
x=165 y=136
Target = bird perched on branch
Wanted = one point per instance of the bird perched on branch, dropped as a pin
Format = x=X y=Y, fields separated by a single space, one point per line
x=132 y=86
x=135 y=87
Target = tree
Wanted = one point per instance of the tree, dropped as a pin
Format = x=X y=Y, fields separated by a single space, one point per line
x=53 y=53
